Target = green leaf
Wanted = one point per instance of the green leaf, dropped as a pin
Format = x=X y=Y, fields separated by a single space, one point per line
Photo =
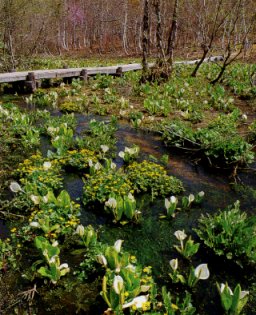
x=226 y=298
x=40 y=242
x=45 y=272
x=112 y=257
x=114 y=299
x=242 y=303
x=55 y=273
x=53 y=250
x=64 y=199
x=236 y=298
x=78 y=251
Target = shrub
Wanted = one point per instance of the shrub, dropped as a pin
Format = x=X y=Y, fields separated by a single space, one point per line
x=230 y=233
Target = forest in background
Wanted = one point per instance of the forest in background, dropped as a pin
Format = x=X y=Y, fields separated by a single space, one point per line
x=31 y=27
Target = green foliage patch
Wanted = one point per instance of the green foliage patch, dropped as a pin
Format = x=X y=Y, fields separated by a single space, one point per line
x=230 y=233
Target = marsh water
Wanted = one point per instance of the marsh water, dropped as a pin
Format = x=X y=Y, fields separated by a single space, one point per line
x=152 y=239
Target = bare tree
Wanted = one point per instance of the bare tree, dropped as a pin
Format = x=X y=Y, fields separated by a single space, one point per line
x=233 y=47
x=208 y=26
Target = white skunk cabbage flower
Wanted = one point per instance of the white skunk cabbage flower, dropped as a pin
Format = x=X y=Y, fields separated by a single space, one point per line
x=97 y=166
x=174 y=264
x=191 y=198
x=80 y=230
x=34 y=224
x=35 y=199
x=131 y=267
x=64 y=269
x=118 y=284
x=244 y=117
x=55 y=244
x=101 y=259
x=53 y=259
x=138 y=302
x=118 y=245
x=131 y=197
x=63 y=266
x=111 y=203
x=121 y=154
x=45 y=199
x=168 y=203
x=180 y=235
x=113 y=165
x=202 y=272
x=15 y=187
x=222 y=287
x=47 y=166
x=104 y=148
x=243 y=294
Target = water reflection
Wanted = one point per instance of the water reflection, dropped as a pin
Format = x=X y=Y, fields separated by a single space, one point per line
x=4 y=231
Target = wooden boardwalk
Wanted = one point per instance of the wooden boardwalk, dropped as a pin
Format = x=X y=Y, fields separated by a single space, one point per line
x=29 y=78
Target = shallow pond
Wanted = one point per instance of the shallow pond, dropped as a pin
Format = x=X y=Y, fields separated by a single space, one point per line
x=152 y=240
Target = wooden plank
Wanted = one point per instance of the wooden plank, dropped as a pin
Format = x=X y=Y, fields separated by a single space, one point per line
x=10 y=77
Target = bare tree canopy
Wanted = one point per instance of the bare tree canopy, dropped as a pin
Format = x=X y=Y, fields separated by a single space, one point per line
x=103 y=26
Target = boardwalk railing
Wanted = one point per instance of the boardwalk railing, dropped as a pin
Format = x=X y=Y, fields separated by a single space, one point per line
x=29 y=78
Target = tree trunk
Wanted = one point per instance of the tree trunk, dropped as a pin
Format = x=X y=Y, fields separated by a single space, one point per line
x=145 y=40
x=173 y=33
x=125 y=27
x=159 y=33
x=200 y=62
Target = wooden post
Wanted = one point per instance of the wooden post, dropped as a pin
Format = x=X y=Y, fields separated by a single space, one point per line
x=30 y=82
x=119 y=72
x=67 y=80
x=18 y=86
x=84 y=75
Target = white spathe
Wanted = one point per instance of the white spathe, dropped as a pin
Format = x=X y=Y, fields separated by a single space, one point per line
x=55 y=244
x=191 y=198
x=118 y=284
x=243 y=294
x=34 y=224
x=15 y=187
x=111 y=203
x=35 y=199
x=173 y=199
x=47 y=166
x=80 y=230
x=97 y=166
x=174 y=264
x=202 y=272
x=222 y=287
x=180 y=235
x=137 y=302
x=201 y=194
x=102 y=260
x=118 y=245
x=121 y=154
x=167 y=203
x=104 y=148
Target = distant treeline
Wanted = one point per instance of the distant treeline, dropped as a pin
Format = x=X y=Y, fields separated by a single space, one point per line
x=29 y=27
